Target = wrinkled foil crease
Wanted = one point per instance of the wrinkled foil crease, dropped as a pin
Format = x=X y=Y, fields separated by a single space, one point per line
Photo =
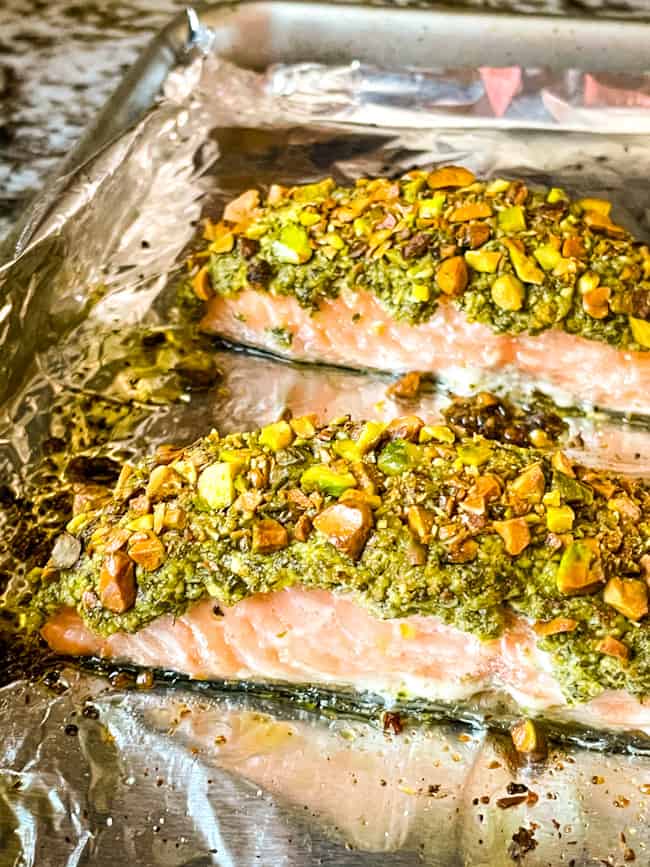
x=172 y=777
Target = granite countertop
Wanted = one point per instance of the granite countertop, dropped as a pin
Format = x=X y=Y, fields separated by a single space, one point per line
x=61 y=59
x=59 y=62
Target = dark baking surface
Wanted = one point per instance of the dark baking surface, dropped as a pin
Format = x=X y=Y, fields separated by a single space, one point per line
x=60 y=60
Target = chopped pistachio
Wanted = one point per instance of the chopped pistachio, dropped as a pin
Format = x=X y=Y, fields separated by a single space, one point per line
x=354 y=495
x=144 y=522
x=320 y=477
x=117 y=587
x=304 y=427
x=473 y=211
x=430 y=208
x=559 y=519
x=562 y=464
x=452 y=275
x=515 y=534
x=293 y=247
x=524 y=266
x=512 y=219
x=530 y=484
x=555 y=627
x=147 y=551
x=398 y=457
x=420 y=521
x=547 y=256
x=640 y=331
x=588 y=281
x=346 y=526
x=224 y=244
x=309 y=218
x=268 y=536
x=485 y=261
x=611 y=646
x=601 y=206
x=216 y=484
x=450 y=176
x=473 y=454
x=556 y=194
x=508 y=292
x=421 y=292
x=572 y=490
x=628 y=596
x=498 y=185
x=201 y=284
x=276 y=436
x=369 y=436
x=576 y=573
x=439 y=432
x=347 y=449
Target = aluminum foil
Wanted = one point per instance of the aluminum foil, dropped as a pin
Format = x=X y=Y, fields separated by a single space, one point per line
x=100 y=361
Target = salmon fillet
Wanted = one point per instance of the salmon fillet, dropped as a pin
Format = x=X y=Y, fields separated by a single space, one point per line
x=436 y=272
x=397 y=558
x=457 y=350
x=305 y=637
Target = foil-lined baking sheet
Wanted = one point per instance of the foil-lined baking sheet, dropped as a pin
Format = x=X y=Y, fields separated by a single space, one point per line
x=101 y=360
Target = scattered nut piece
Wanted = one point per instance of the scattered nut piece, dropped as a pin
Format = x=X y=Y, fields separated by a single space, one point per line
x=302 y=529
x=555 y=626
x=66 y=551
x=562 y=464
x=115 y=539
x=163 y=482
x=268 y=536
x=452 y=276
x=450 y=176
x=515 y=534
x=117 y=587
x=529 y=485
x=420 y=521
x=407 y=387
x=611 y=646
x=628 y=596
x=346 y=526
x=529 y=740
x=474 y=211
x=147 y=551
x=405 y=428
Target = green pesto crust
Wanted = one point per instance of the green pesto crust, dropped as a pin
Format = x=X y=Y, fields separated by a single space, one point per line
x=407 y=518
x=515 y=259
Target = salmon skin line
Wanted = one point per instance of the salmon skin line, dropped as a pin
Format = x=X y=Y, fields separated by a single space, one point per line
x=405 y=518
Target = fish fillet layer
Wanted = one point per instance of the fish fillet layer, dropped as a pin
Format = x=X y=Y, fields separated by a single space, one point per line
x=305 y=636
x=447 y=344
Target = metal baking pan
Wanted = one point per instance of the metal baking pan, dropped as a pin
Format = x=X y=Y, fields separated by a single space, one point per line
x=104 y=775
x=255 y=34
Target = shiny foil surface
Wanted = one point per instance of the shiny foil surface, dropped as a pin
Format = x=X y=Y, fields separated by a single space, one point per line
x=100 y=362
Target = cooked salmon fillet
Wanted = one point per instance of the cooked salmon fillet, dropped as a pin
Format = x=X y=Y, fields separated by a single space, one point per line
x=398 y=558
x=316 y=637
x=570 y=367
x=436 y=272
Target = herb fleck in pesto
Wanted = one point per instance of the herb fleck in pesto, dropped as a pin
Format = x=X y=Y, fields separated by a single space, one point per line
x=282 y=336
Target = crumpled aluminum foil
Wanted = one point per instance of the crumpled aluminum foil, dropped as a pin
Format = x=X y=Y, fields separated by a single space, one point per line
x=100 y=362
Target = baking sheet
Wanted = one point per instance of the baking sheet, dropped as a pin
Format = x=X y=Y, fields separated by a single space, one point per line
x=91 y=330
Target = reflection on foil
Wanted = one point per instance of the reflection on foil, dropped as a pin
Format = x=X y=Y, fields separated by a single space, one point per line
x=178 y=778
x=99 y=362
x=495 y=97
